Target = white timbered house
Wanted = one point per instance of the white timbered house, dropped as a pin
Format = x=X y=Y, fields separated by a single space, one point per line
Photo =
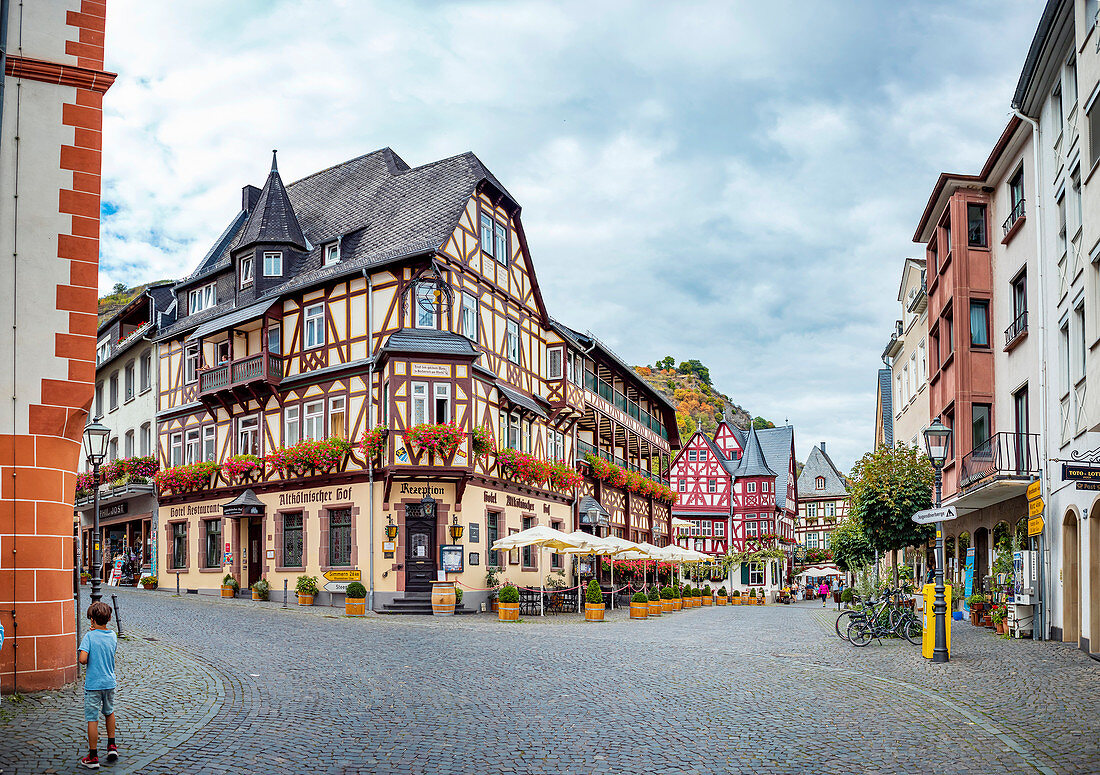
x=822 y=500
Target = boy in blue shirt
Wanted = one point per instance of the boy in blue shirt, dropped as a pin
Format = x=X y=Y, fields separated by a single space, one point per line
x=97 y=651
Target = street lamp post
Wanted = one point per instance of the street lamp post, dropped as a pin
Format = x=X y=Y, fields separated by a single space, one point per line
x=936 y=439
x=96 y=437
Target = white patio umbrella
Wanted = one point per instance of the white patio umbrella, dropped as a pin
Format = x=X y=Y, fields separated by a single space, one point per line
x=609 y=546
x=543 y=537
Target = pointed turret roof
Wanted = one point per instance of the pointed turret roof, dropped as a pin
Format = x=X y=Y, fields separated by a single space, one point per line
x=272 y=220
x=753 y=462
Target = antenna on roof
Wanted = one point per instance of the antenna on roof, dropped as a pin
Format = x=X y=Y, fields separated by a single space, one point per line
x=274 y=166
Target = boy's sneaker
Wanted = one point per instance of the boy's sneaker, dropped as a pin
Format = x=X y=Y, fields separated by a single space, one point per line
x=112 y=753
x=91 y=762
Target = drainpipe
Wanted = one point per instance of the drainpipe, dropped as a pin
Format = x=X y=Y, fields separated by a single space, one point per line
x=1044 y=388
x=370 y=418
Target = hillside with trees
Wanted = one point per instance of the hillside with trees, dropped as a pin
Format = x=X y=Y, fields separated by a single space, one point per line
x=699 y=405
x=119 y=297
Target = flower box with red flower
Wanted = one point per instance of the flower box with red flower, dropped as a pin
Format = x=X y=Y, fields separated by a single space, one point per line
x=185 y=478
x=441 y=439
x=243 y=468
x=374 y=442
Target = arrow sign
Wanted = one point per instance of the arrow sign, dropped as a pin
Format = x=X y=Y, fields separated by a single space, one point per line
x=928 y=516
x=1033 y=490
x=343 y=575
x=337 y=586
x=1034 y=526
x=1035 y=507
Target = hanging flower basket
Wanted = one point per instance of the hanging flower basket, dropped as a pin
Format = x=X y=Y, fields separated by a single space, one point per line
x=374 y=442
x=564 y=477
x=441 y=439
x=187 y=478
x=481 y=440
x=242 y=468
x=522 y=467
x=310 y=457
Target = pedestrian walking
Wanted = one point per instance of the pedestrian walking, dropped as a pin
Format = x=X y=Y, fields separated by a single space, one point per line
x=97 y=651
x=824 y=590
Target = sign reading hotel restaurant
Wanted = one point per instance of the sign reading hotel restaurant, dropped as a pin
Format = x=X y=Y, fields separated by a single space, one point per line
x=1034 y=490
x=928 y=516
x=1072 y=472
x=431 y=370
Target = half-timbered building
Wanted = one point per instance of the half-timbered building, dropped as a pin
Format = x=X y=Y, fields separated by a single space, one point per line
x=822 y=500
x=375 y=302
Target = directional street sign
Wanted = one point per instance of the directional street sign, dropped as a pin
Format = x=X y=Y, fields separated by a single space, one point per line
x=337 y=586
x=344 y=576
x=1033 y=490
x=1035 y=507
x=1034 y=526
x=928 y=516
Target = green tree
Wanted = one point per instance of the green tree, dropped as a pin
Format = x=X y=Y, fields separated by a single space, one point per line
x=696 y=367
x=761 y=424
x=686 y=425
x=666 y=363
x=888 y=486
x=851 y=549
x=119 y=288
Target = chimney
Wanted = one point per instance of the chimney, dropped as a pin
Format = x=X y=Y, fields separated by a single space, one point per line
x=823 y=448
x=249 y=196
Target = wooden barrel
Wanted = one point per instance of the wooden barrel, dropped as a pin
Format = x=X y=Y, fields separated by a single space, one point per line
x=355 y=606
x=305 y=599
x=707 y=600
x=443 y=598
x=722 y=600
x=655 y=608
x=256 y=595
x=228 y=591
x=593 y=612
x=666 y=606
x=677 y=603
x=638 y=610
x=508 y=612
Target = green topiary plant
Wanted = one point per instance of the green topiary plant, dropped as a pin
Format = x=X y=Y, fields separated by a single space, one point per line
x=697 y=592
x=847 y=595
x=737 y=593
x=639 y=597
x=666 y=593
x=752 y=592
x=722 y=592
x=229 y=581
x=706 y=590
x=654 y=595
x=508 y=594
x=262 y=588
x=307 y=585
x=593 y=594
x=356 y=591
x=686 y=591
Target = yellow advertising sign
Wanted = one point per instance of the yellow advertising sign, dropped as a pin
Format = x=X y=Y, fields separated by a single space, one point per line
x=1035 y=507
x=343 y=575
x=1034 y=490
x=1034 y=526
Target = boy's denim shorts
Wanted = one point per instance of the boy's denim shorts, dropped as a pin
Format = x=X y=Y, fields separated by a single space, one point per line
x=96 y=700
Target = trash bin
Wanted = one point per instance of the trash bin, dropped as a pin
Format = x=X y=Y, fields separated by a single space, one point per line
x=928 y=641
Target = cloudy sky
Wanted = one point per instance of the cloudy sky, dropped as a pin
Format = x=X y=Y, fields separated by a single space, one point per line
x=736 y=182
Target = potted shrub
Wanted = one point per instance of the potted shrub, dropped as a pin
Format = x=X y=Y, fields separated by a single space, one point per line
x=149 y=582
x=508 y=604
x=999 y=615
x=458 y=596
x=722 y=596
x=593 y=602
x=677 y=598
x=230 y=587
x=639 y=605
x=307 y=589
x=666 y=600
x=493 y=583
x=735 y=598
x=260 y=590
x=698 y=592
x=977 y=606
x=686 y=596
x=708 y=596
x=752 y=596
x=847 y=596
x=655 y=607
x=85 y=577
x=355 y=599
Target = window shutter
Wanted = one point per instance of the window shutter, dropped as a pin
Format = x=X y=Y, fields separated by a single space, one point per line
x=745 y=574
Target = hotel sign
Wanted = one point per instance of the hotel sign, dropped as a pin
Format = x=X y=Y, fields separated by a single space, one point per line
x=1072 y=472
x=430 y=370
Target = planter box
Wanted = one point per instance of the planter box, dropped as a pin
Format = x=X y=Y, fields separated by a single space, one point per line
x=666 y=606
x=707 y=600
x=638 y=610
x=355 y=606
x=593 y=612
x=508 y=612
x=305 y=599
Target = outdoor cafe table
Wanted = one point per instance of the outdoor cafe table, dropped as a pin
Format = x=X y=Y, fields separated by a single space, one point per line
x=558 y=601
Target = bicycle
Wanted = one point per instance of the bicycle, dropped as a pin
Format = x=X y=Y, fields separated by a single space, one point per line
x=889 y=619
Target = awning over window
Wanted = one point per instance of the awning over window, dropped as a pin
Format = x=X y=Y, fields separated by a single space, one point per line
x=517 y=399
x=235 y=318
x=244 y=505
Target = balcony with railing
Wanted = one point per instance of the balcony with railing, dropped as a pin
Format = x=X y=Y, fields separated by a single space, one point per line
x=996 y=470
x=1014 y=216
x=584 y=449
x=1016 y=331
x=263 y=371
x=617 y=399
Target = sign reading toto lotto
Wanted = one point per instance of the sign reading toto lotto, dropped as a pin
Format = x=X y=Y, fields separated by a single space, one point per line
x=1077 y=473
x=928 y=516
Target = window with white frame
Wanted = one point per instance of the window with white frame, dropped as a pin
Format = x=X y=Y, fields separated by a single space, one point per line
x=750 y=487
x=553 y=363
x=572 y=368
x=811 y=510
x=702 y=454
x=175 y=450
x=275 y=340
x=750 y=529
x=313 y=420
x=337 y=417
x=202 y=298
x=129 y=447
x=830 y=509
x=513 y=431
x=765 y=486
x=209 y=444
x=103 y=351
x=712 y=485
x=469 y=317
x=314 y=326
x=693 y=456
x=513 y=341
x=811 y=540
x=425 y=305
x=248 y=436
x=683 y=484
x=487 y=233
x=191 y=364
x=706 y=528
x=146 y=439
x=719 y=529
x=273 y=263
x=756 y=574
x=442 y=402
x=332 y=254
x=291 y=433
x=1093 y=129
x=419 y=413
x=146 y=370
x=819 y=483
x=500 y=249
x=246 y=271
x=905 y=384
x=129 y=381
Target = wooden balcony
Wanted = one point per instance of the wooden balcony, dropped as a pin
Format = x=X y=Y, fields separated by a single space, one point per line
x=253 y=377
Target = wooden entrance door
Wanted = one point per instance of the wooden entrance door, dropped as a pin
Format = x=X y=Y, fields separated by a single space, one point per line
x=255 y=551
x=420 y=550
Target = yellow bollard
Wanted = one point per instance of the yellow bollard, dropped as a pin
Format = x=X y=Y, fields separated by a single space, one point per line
x=928 y=639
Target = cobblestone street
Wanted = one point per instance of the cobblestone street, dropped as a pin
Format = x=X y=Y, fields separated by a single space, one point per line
x=213 y=686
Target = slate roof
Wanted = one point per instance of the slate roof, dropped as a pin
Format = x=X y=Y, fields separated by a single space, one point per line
x=272 y=220
x=430 y=341
x=729 y=465
x=778 y=446
x=516 y=398
x=242 y=315
x=753 y=461
x=886 y=400
x=820 y=464
x=587 y=503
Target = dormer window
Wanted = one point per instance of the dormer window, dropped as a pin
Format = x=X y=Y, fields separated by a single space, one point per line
x=202 y=298
x=819 y=483
x=246 y=271
x=332 y=254
x=273 y=264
